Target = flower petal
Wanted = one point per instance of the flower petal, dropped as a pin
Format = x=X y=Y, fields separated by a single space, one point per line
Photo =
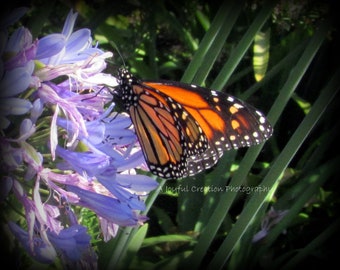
x=69 y=23
x=50 y=45
x=16 y=81
x=19 y=40
x=107 y=207
x=14 y=106
x=78 y=41
x=37 y=110
x=137 y=182
x=5 y=187
x=72 y=242
x=27 y=128
x=42 y=252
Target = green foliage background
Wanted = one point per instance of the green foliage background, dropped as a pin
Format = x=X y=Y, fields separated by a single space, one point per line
x=211 y=43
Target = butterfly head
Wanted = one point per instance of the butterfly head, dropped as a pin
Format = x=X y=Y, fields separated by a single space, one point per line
x=124 y=77
x=123 y=94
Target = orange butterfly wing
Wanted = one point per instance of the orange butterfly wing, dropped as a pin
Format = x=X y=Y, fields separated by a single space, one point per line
x=184 y=129
x=227 y=122
x=159 y=124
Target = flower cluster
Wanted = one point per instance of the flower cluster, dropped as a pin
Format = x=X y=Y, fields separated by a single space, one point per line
x=63 y=148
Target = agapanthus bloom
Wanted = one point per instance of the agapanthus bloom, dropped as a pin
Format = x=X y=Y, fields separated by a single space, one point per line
x=62 y=146
x=272 y=218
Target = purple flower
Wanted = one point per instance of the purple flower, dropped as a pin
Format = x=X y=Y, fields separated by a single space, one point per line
x=5 y=187
x=22 y=48
x=107 y=207
x=72 y=243
x=108 y=229
x=272 y=218
x=67 y=47
x=18 y=66
x=65 y=147
x=16 y=74
x=37 y=248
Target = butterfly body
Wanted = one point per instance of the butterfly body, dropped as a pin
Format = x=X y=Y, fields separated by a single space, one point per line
x=184 y=129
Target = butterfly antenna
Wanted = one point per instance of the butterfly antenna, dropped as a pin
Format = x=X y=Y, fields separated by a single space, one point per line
x=114 y=45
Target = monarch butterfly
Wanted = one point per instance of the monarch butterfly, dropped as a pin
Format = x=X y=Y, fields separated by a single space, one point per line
x=184 y=129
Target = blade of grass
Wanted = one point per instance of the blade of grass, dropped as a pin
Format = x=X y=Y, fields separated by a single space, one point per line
x=153 y=196
x=190 y=201
x=176 y=238
x=261 y=53
x=256 y=201
x=212 y=54
x=134 y=244
x=209 y=39
x=120 y=247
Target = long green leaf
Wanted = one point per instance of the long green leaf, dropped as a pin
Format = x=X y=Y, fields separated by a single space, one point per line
x=211 y=55
x=217 y=33
x=134 y=245
x=261 y=54
x=166 y=239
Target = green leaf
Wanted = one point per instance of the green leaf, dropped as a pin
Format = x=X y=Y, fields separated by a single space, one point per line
x=151 y=241
x=261 y=54
x=134 y=245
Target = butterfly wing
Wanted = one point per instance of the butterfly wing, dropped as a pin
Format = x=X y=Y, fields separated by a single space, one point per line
x=226 y=122
x=168 y=135
x=184 y=129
